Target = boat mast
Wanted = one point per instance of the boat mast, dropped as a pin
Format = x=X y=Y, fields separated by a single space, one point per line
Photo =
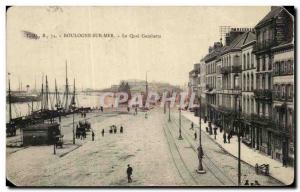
x=9 y=98
x=67 y=88
x=46 y=92
x=73 y=100
x=56 y=96
x=42 y=94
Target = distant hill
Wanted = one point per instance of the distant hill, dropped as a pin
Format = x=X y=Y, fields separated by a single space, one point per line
x=137 y=86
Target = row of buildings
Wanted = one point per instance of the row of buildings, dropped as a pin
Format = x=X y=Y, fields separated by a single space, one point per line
x=247 y=84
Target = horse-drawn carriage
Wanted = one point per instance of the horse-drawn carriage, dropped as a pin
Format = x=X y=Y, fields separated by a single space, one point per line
x=82 y=128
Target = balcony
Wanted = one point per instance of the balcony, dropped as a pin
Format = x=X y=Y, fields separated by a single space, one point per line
x=282 y=97
x=265 y=94
x=265 y=44
x=262 y=119
x=231 y=69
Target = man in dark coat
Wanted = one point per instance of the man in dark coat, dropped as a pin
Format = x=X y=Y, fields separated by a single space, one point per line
x=121 y=129
x=229 y=137
x=224 y=137
x=102 y=132
x=93 y=135
x=129 y=173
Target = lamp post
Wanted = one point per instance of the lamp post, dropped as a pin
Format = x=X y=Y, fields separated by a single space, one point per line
x=180 y=137
x=200 y=169
x=238 y=125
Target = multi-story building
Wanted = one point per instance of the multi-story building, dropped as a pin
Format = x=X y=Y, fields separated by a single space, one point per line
x=275 y=29
x=193 y=79
x=248 y=87
x=283 y=103
x=211 y=76
x=231 y=69
x=256 y=69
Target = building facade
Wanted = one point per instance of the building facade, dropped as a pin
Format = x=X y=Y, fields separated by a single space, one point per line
x=275 y=29
x=252 y=76
x=283 y=104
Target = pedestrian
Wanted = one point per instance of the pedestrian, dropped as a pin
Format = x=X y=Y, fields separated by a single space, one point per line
x=224 y=138
x=115 y=129
x=129 y=173
x=192 y=125
x=229 y=137
x=195 y=135
x=136 y=110
x=256 y=183
x=215 y=132
x=102 y=132
x=93 y=135
x=110 y=130
x=247 y=182
x=81 y=135
x=128 y=109
x=121 y=129
x=101 y=108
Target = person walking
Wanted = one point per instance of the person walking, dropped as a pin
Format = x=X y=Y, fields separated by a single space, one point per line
x=115 y=129
x=195 y=135
x=229 y=137
x=215 y=132
x=129 y=173
x=93 y=135
x=121 y=129
x=192 y=126
x=102 y=132
x=224 y=137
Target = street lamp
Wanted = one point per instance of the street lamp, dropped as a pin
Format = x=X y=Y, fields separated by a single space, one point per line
x=200 y=169
x=238 y=125
x=180 y=137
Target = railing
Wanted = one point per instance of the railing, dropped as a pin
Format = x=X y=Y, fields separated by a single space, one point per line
x=231 y=69
x=263 y=94
x=262 y=119
x=225 y=70
x=265 y=44
x=279 y=97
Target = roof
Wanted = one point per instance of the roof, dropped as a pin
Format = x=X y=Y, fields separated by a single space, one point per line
x=213 y=54
x=272 y=14
x=239 y=42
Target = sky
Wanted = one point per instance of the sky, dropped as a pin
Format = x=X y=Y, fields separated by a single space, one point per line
x=99 y=62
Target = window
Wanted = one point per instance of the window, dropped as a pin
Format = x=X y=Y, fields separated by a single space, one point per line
x=252 y=81
x=244 y=61
x=244 y=82
x=263 y=64
x=263 y=82
x=248 y=61
x=252 y=60
x=248 y=82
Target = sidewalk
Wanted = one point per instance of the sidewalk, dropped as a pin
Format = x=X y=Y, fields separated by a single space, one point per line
x=248 y=155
